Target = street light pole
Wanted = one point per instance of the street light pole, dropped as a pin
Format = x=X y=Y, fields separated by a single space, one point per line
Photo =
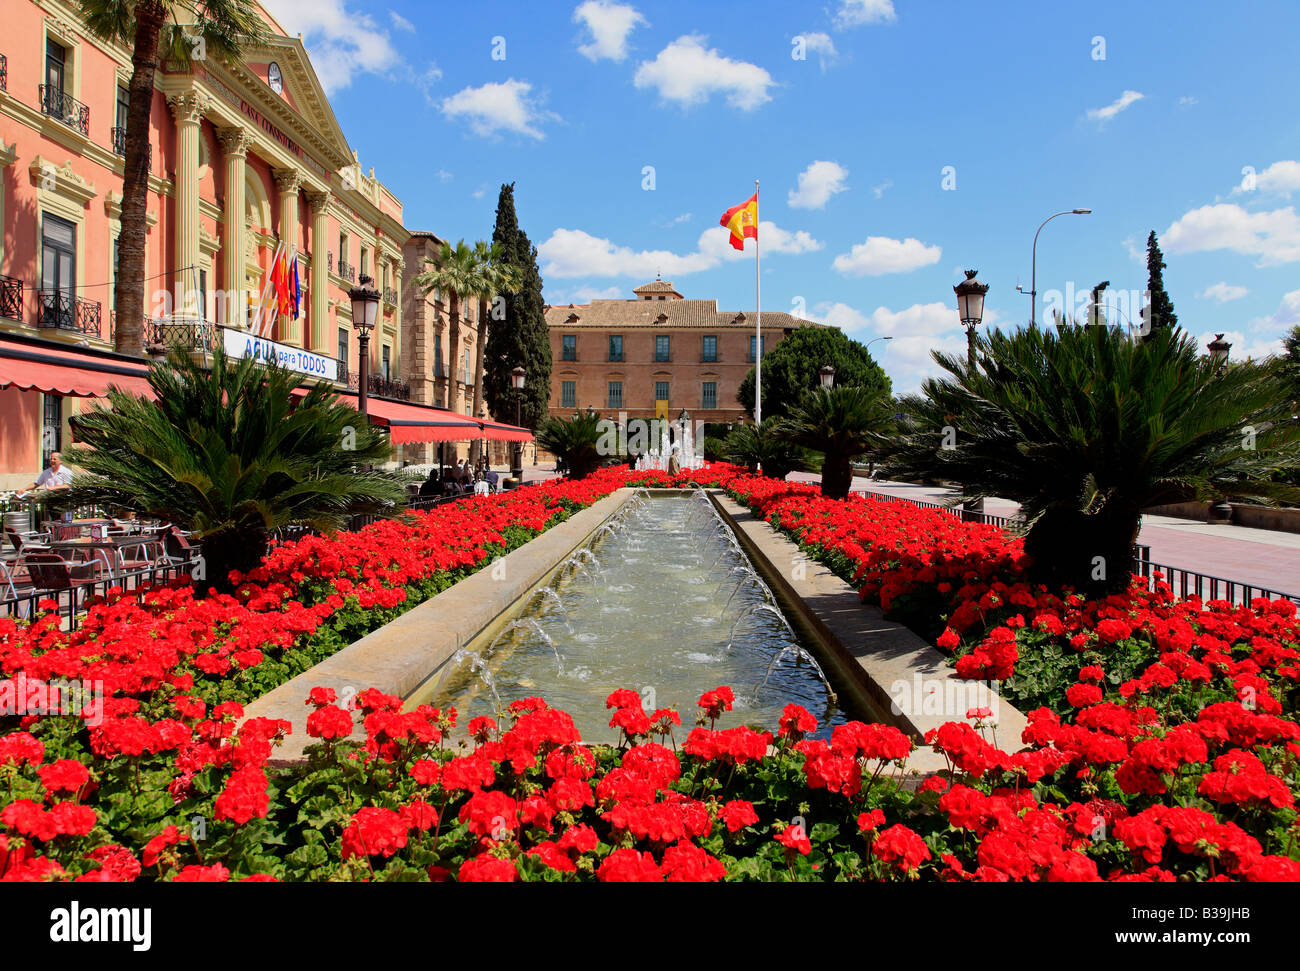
x=365 y=308
x=874 y=339
x=517 y=376
x=1033 y=279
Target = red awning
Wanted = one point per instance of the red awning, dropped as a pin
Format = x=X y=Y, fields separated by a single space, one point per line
x=53 y=370
x=497 y=432
x=409 y=423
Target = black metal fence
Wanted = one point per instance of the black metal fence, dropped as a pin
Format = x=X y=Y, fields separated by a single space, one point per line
x=75 y=600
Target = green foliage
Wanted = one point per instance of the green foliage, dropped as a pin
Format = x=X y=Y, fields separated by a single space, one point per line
x=751 y=446
x=228 y=453
x=1162 y=314
x=1086 y=428
x=793 y=368
x=522 y=337
x=575 y=441
x=842 y=423
x=217 y=29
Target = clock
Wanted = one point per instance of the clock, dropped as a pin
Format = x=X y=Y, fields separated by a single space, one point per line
x=274 y=78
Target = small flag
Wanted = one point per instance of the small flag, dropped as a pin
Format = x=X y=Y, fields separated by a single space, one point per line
x=297 y=290
x=742 y=221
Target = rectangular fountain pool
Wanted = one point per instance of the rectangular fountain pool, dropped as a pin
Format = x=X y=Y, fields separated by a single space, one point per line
x=662 y=601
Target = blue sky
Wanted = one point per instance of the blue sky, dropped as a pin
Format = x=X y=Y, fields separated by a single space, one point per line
x=913 y=139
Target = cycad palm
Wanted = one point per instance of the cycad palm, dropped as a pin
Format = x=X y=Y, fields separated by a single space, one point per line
x=220 y=30
x=457 y=273
x=842 y=423
x=226 y=452
x=1086 y=428
x=755 y=446
x=575 y=441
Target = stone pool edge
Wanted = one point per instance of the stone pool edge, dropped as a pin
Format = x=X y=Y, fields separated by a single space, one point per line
x=404 y=655
x=868 y=652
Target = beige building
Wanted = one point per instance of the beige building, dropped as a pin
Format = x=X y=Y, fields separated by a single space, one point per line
x=656 y=354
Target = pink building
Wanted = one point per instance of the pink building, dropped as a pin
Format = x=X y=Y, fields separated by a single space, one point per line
x=244 y=161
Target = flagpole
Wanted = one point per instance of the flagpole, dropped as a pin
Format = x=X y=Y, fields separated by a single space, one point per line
x=261 y=298
x=758 y=301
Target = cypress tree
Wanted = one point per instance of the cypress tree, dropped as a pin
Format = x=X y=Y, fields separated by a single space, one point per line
x=519 y=336
x=1161 y=307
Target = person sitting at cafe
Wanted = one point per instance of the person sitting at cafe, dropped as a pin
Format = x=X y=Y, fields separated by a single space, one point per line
x=55 y=478
x=431 y=486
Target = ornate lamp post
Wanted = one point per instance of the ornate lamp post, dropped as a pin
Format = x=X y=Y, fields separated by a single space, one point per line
x=828 y=376
x=365 y=308
x=970 y=308
x=517 y=375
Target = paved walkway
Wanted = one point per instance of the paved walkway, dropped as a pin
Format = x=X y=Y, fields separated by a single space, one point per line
x=1256 y=556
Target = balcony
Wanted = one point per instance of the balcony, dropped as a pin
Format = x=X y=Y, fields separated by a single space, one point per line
x=184 y=333
x=59 y=310
x=376 y=385
x=390 y=296
x=615 y=358
x=4 y=73
x=348 y=272
x=11 y=298
x=66 y=108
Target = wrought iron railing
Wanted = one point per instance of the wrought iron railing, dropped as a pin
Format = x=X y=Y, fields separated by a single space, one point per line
x=382 y=387
x=11 y=298
x=62 y=311
x=347 y=271
x=70 y=111
x=186 y=333
x=390 y=296
x=1191 y=583
x=4 y=73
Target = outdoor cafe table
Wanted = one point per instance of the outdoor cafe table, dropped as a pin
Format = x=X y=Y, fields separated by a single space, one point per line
x=101 y=548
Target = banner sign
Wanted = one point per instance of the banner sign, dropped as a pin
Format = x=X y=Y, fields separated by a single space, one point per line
x=243 y=344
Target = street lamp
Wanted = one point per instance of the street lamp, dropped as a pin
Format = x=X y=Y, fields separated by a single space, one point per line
x=365 y=308
x=1219 y=349
x=517 y=375
x=1033 y=280
x=874 y=339
x=970 y=308
x=828 y=376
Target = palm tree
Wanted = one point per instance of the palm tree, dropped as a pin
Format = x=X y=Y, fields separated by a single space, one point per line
x=456 y=273
x=841 y=423
x=498 y=277
x=217 y=29
x=755 y=446
x=229 y=453
x=1085 y=428
x=574 y=441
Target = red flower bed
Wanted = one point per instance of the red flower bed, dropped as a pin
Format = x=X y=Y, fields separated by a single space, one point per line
x=1168 y=749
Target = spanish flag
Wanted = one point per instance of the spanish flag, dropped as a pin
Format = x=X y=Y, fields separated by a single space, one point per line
x=742 y=220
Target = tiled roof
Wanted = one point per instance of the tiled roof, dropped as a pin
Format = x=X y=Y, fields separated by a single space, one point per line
x=658 y=286
x=678 y=313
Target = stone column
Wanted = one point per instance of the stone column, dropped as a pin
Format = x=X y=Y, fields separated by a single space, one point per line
x=188 y=109
x=289 y=181
x=321 y=341
x=235 y=142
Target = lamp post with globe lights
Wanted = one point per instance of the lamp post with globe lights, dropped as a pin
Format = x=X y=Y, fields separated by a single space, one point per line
x=365 y=309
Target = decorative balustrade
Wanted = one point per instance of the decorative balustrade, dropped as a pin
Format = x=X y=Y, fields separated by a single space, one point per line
x=60 y=310
x=70 y=111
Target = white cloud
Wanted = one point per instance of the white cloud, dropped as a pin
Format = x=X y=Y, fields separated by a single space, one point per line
x=1280 y=178
x=496 y=107
x=343 y=42
x=817 y=183
x=1243 y=345
x=821 y=44
x=856 y=13
x=689 y=73
x=683 y=218
x=1103 y=115
x=400 y=22
x=880 y=190
x=1274 y=236
x=610 y=25
x=880 y=255
x=588 y=294
x=1187 y=99
x=1283 y=319
x=444 y=175
x=428 y=81
x=575 y=253
x=1223 y=292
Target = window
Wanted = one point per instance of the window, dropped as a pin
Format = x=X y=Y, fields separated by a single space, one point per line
x=343 y=252
x=616 y=394
x=464 y=367
x=120 y=120
x=661 y=391
x=364 y=265
x=388 y=352
x=709 y=353
x=568 y=394
x=661 y=348
x=56 y=58
x=751 y=347
x=52 y=427
x=343 y=349
x=201 y=298
x=112 y=290
x=437 y=356
x=58 y=272
x=615 y=347
x=569 y=347
x=710 y=396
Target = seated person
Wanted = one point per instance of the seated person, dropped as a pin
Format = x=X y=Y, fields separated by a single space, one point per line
x=430 y=486
x=56 y=478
